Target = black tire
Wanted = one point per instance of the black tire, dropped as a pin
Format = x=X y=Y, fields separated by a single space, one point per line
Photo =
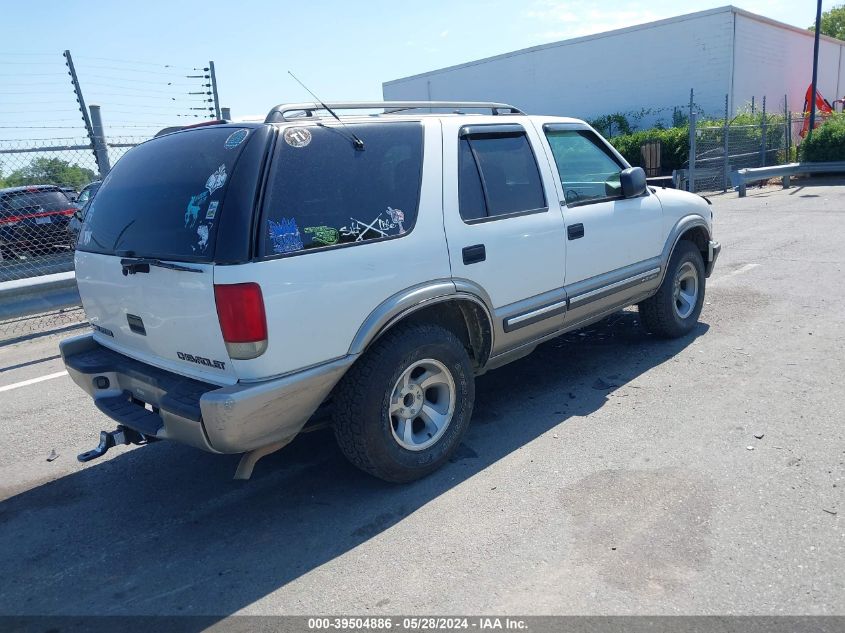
x=362 y=423
x=660 y=313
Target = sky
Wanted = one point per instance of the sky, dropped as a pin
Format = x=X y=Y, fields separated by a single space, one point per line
x=133 y=59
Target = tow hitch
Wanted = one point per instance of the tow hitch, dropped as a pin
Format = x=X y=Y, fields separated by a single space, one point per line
x=108 y=439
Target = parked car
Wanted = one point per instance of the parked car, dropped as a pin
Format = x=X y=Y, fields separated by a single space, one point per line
x=33 y=218
x=75 y=224
x=239 y=276
x=70 y=192
x=87 y=193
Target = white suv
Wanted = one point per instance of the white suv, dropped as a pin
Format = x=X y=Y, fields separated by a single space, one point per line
x=239 y=276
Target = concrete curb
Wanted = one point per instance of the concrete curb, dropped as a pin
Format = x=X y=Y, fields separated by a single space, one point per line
x=24 y=297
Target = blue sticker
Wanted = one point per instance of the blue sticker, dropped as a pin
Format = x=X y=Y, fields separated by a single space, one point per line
x=212 y=210
x=193 y=210
x=235 y=139
x=285 y=235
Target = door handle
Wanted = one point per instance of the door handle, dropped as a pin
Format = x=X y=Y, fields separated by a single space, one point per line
x=575 y=231
x=474 y=254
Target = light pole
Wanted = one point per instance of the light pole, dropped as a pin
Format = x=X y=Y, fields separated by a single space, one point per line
x=815 y=68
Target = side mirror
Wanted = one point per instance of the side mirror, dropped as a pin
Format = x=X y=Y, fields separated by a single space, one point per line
x=633 y=182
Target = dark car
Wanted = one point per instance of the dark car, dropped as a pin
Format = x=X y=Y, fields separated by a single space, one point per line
x=85 y=196
x=70 y=192
x=33 y=218
x=87 y=193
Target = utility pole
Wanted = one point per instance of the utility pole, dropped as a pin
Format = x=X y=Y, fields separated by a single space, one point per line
x=815 y=68
x=214 y=88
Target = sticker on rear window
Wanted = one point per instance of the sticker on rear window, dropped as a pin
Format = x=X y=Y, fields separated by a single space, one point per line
x=192 y=212
x=285 y=235
x=216 y=180
x=397 y=217
x=202 y=233
x=212 y=210
x=297 y=136
x=235 y=139
x=323 y=235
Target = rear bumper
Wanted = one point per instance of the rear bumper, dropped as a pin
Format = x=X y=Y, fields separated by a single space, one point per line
x=713 y=250
x=231 y=419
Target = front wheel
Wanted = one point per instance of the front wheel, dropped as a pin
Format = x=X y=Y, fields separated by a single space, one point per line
x=674 y=310
x=403 y=408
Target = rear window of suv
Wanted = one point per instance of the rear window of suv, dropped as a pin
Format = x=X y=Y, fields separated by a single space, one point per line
x=35 y=201
x=323 y=192
x=163 y=199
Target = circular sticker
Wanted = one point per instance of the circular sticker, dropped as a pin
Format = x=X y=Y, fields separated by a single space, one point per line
x=235 y=139
x=297 y=136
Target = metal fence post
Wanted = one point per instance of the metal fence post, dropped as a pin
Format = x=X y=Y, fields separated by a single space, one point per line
x=78 y=90
x=787 y=129
x=692 y=125
x=727 y=166
x=789 y=137
x=214 y=89
x=763 y=136
x=101 y=150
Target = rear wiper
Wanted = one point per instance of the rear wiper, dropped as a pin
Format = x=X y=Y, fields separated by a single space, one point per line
x=132 y=265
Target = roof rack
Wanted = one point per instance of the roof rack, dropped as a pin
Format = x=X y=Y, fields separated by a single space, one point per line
x=280 y=112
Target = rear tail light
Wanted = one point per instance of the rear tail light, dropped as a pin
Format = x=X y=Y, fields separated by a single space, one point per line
x=11 y=219
x=240 y=309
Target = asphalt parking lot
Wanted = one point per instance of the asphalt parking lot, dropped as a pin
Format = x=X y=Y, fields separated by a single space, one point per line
x=607 y=473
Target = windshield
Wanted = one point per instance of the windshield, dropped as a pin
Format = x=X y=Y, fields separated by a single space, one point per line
x=164 y=198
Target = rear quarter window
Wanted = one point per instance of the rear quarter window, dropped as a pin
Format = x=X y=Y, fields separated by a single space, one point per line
x=164 y=198
x=324 y=193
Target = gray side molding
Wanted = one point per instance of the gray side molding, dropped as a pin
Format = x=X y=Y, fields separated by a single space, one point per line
x=408 y=301
x=682 y=226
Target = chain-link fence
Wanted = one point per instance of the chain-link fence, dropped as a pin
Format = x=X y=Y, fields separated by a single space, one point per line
x=44 y=186
x=40 y=182
x=722 y=149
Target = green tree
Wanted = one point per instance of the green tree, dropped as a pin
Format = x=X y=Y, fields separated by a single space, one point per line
x=833 y=22
x=50 y=171
x=612 y=124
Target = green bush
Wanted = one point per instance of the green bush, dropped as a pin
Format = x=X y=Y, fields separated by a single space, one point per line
x=674 y=146
x=827 y=142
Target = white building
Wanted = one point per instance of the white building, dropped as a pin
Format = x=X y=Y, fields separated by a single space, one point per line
x=724 y=51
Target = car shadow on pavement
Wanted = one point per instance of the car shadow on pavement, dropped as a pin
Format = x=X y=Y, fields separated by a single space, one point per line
x=163 y=530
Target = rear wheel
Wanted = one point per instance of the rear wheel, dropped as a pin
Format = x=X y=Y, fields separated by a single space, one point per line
x=403 y=408
x=674 y=310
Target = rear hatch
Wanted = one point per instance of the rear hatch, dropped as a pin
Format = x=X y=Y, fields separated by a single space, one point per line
x=146 y=253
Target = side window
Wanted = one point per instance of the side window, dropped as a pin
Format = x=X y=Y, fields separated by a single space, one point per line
x=588 y=170
x=498 y=174
x=323 y=192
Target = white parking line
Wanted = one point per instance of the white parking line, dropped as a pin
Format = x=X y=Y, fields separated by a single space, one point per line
x=32 y=381
x=738 y=271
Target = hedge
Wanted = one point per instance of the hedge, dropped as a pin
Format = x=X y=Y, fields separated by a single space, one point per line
x=827 y=142
x=674 y=146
